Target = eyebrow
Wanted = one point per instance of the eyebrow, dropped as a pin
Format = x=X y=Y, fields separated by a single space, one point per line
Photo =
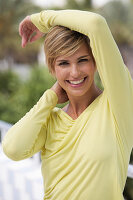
x=83 y=56
x=78 y=58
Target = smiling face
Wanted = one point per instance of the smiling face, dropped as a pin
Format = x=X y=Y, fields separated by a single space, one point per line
x=75 y=73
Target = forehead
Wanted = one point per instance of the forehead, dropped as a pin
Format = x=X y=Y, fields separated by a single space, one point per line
x=81 y=51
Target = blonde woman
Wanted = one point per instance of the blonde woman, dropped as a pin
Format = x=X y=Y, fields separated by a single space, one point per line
x=86 y=146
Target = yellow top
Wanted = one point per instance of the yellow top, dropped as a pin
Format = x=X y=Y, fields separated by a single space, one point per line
x=86 y=158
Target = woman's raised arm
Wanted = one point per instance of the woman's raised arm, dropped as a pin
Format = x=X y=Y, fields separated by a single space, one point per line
x=114 y=74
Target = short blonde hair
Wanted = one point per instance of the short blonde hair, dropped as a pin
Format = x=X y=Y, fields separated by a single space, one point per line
x=60 y=41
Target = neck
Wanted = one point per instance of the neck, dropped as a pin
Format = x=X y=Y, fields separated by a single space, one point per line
x=79 y=103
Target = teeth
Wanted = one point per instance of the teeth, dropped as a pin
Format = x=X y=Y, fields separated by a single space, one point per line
x=77 y=82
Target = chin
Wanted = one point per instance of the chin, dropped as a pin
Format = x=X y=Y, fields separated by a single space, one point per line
x=78 y=93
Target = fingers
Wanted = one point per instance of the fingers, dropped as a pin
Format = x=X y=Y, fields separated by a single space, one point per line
x=27 y=30
x=24 y=41
x=23 y=25
x=25 y=38
x=36 y=36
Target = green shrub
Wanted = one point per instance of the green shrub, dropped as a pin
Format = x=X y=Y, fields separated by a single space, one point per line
x=16 y=97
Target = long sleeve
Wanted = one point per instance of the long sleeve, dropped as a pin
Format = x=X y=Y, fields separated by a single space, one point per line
x=28 y=135
x=114 y=74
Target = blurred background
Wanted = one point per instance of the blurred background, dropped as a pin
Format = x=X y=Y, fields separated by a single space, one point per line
x=23 y=73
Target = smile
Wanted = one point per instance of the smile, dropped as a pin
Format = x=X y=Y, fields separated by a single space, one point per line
x=77 y=82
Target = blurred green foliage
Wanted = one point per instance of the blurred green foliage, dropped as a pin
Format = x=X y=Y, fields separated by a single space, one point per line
x=9 y=84
x=11 y=14
x=17 y=97
x=119 y=16
x=78 y=4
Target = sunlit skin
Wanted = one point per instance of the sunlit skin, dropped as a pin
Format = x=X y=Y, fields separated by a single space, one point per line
x=78 y=67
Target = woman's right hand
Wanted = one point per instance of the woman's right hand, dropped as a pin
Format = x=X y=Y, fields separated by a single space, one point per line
x=28 y=31
x=60 y=92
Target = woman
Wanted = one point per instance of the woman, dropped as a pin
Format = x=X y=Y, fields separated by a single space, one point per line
x=85 y=147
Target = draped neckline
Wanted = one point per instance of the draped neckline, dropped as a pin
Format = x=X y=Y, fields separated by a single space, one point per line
x=90 y=108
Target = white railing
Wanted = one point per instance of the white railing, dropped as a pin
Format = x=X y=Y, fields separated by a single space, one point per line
x=4 y=126
x=23 y=179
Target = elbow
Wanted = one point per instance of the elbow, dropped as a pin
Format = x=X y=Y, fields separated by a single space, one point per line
x=12 y=152
x=96 y=23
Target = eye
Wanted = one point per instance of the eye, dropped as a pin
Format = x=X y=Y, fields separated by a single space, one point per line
x=63 y=63
x=83 y=60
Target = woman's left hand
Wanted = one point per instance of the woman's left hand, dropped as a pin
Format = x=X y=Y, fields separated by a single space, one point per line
x=28 y=31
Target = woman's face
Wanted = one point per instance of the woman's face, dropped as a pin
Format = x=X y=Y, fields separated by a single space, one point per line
x=75 y=73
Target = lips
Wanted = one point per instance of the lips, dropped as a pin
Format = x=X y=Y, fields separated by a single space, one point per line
x=77 y=82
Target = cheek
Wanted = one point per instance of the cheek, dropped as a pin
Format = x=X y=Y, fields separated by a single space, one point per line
x=90 y=69
x=93 y=68
x=56 y=72
x=60 y=74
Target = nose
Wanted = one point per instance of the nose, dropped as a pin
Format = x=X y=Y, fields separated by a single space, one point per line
x=74 y=71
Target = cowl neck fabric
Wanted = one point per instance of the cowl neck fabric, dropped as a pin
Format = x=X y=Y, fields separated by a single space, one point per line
x=86 y=111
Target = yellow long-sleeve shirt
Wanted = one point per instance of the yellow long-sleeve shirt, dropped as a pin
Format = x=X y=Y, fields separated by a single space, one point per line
x=86 y=158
